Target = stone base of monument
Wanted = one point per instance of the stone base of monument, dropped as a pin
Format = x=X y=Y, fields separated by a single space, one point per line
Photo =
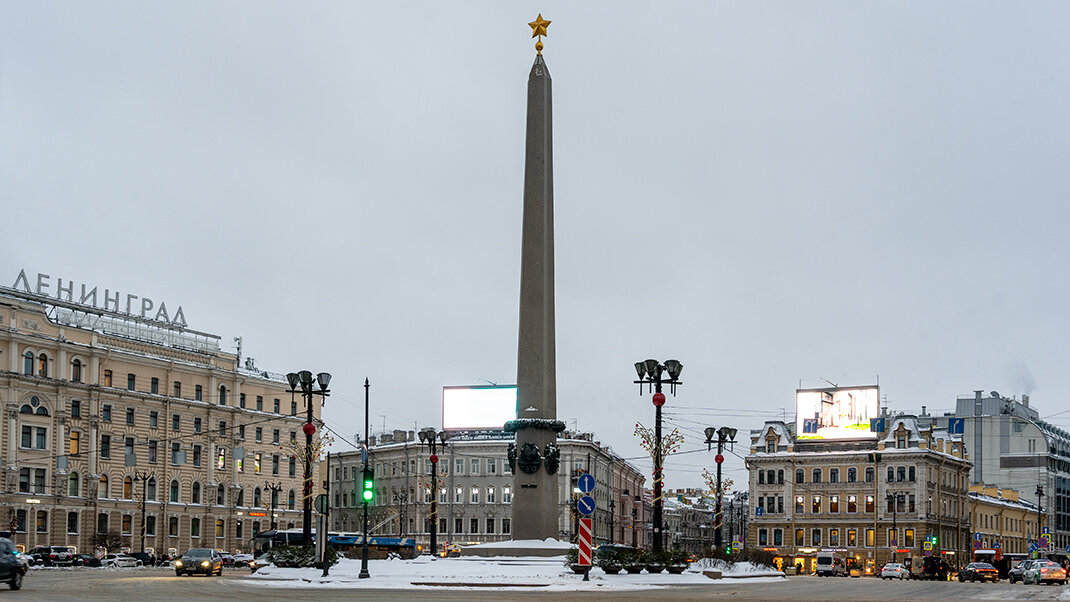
x=518 y=548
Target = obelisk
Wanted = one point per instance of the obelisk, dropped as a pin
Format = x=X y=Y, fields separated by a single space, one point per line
x=535 y=506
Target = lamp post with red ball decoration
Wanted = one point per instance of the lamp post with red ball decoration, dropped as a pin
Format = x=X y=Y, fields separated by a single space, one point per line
x=650 y=372
x=433 y=440
x=305 y=381
x=725 y=434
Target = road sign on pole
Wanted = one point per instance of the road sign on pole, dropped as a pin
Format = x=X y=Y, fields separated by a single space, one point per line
x=585 y=542
x=977 y=537
x=586 y=483
x=585 y=505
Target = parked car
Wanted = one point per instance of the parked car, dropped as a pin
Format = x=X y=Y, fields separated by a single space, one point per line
x=145 y=558
x=12 y=569
x=829 y=565
x=1018 y=572
x=199 y=560
x=979 y=571
x=242 y=559
x=119 y=560
x=1045 y=571
x=894 y=570
x=228 y=559
x=52 y=556
x=86 y=560
x=260 y=562
x=932 y=568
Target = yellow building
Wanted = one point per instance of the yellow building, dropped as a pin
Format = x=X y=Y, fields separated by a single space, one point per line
x=1000 y=521
x=108 y=404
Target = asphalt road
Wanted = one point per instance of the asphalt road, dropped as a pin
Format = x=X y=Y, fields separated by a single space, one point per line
x=161 y=584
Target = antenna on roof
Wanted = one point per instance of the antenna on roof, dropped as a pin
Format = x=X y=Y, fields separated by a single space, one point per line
x=829 y=382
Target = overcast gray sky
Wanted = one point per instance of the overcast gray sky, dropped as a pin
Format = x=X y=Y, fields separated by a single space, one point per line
x=769 y=192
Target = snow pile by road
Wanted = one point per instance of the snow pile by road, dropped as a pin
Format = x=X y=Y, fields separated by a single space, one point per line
x=532 y=573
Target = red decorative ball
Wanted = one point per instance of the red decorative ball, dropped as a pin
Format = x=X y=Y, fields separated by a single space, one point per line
x=718 y=458
x=659 y=399
x=434 y=459
x=309 y=428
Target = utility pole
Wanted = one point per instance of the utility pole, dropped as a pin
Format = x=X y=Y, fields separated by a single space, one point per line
x=364 y=574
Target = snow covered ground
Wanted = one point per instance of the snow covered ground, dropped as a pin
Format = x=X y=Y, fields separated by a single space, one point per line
x=531 y=573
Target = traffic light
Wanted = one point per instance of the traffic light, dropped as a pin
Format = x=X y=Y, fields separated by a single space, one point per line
x=369 y=485
x=728 y=550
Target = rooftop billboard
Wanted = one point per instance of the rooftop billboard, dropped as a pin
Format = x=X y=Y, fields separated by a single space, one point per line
x=836 y=412
x=478 y=407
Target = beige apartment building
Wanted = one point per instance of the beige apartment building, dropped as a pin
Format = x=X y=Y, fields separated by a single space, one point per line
x=104 y=408
x=871 y=499
x=1001 y=522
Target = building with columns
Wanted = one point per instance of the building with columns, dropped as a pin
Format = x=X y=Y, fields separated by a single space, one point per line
x=104 y=408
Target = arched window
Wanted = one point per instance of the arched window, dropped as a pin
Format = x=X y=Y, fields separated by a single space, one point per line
x=25 y=409
x=221 y=495
x=222 y=395
x=195 y=495
x=220 y=528
x=256 y=497
x=174 y=490
x=72 y=485
x=241 y=498
x=290 y=500
x=42 y=411
x=150 y=489
x=172 y=526
x=128 y=488
x=76 y=370
x=27 y=363
x=103 y=490
x=42 y=365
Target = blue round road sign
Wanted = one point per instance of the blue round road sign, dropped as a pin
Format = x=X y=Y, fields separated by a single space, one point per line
x=586 y=483
x=585 y=505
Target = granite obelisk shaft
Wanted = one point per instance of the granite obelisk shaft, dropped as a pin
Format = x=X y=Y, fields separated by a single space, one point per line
x=535 y=496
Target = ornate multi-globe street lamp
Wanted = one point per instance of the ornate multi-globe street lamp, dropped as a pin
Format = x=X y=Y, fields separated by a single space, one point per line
x=725 y=434
x=433 y=439
x=305 y=381
x=650 y=373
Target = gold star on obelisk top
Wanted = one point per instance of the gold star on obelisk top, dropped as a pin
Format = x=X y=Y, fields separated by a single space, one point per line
x=538 y=28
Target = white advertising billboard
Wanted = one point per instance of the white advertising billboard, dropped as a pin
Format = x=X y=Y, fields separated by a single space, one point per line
x=836 y=413
x=478 y=407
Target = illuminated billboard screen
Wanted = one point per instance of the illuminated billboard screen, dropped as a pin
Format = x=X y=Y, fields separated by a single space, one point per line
x=479 y=407
x=836 y=413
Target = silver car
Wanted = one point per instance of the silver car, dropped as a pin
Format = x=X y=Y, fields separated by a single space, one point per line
x=894 y=570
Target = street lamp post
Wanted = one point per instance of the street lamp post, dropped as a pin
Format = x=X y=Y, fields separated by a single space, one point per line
x=304 y=380
x=725 y=434
x=433 y=440
x=1040 y=496
x=894 y=499
x=650 y=372
x=144 y=478
x=274 y=488
x=612 y=510
x=364 y=574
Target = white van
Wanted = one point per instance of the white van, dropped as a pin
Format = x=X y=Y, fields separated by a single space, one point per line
x=828 y=565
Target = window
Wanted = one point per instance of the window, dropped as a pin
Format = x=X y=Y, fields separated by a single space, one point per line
x=869 y=503
x=852 y=538
x=761 y=477
x=154 y=386
x=908 y=538
x=834 y=504
x=275 y=408
x=834 y=475
x=256 y=463
x=290 y=500
x=869 y=474
x=507 y=495
x=506 y=525
x=74 y=440
x=105 y=446
x=259 y=434
x=910 y=503
x=817 y=475
x=770 y=446
x=780 y=504
x=128 y=524
x=176 y=422
x=778 y=537
x=130 y=380
x=815 y=537
x=41 y=439
x=177 y=457
x=490 y=498
x=256 y=497
x=474 y=525
x=475 y=495
x=195 y=527
x=42 y=366
x=27 y=363
x=293 y=408
x=799 y=504
x=220 y=495
x=221 y=458
x=275 y=465
x=458 y=467
x=42 y=521
x=490 y=525
x=222 y=402
x=238 y=529
x=20 y=515
x=27 y=436
x=198 y=393
x=174 y=490
x=128 y=488
x=105 y=412
x=780 y=477
x=911 y=474
x=852 y=475
x=475 y=466
x=76 y=374
x=852 y=503
x=107 y=378
x=870 y=533
x=130 y=415
x=73 y=485
x=800 y=476
x=195 y=493
x=197 y=424
x=901 y=440
x=150 y=525
x=172 y=526
x=177 y=389
x=72 y=523
x=241 y=432
x=154 y=419
x=800 y=537
x=222 y=428
x=260 y=403
x=834 y=537
x=102 y=523
x=815 y=505
x=275 y=436
x=293 y=437
x=196 y=455
x=150 y=489
x=891 y=474
x=153 y=446
x=241 y=400
x=39 y=480
x=103 y=486
x=220 y=528
x=293 y=466
x=458 y=496
x=458 y=525
x=76 y=408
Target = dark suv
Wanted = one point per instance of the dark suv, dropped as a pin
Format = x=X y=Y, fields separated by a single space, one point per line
x=52 y=556
x=11 y=568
